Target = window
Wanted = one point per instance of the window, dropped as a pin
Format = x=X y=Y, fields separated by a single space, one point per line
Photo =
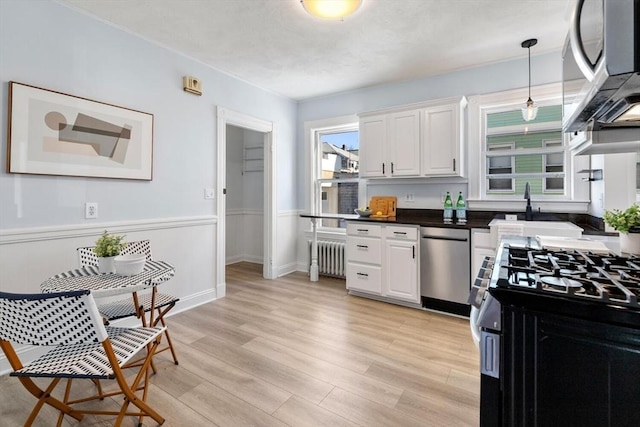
x=554 y=163
x=498 y=165
x=336 y=171
x=517 y=152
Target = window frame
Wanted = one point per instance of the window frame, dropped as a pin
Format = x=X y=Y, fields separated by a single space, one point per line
x=545 y=159
x=577 y=193
x=506 y=105
x=512 y=161
x=313 y=132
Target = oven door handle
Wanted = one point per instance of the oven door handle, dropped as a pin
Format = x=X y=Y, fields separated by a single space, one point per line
x=490 y=354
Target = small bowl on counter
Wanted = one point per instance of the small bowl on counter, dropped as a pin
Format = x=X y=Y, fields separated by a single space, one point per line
x=130 y=264
x=363 y=212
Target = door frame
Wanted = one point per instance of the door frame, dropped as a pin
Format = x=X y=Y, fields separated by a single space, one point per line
x=229 y=117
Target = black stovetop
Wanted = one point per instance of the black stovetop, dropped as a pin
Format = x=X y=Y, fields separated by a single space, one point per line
x=602 y=287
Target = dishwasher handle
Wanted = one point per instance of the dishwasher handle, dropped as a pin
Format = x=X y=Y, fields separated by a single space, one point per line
x=451 y=239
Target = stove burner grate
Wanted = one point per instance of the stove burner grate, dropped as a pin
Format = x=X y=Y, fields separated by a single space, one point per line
x=605 y=278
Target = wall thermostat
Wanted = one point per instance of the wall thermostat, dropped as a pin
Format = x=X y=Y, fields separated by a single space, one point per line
x=192 y=85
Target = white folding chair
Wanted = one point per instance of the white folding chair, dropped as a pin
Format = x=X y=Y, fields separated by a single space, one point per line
x=83 y=347
x=125 y=307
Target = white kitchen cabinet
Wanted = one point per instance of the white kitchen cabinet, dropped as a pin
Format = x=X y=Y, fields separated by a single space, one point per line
x=442 y=140
x=482 y=245
x=382 y=261
x=425 y=139
x=390 y=145
x=364 y=257
x=373 y=146
x=401 y=262
x=403 y=143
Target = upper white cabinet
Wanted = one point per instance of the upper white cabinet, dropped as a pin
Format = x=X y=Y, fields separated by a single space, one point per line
x=392 y=145
x=442 y=140
x=373 y=130
x=403 y=143
x=423 y=139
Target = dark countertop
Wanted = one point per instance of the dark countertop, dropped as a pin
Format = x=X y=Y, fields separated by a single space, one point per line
x=481 y=219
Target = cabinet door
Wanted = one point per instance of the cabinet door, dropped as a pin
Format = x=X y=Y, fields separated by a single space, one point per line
x=402 y=270
x=441 y=141
x=403 y=145
x=373 y=137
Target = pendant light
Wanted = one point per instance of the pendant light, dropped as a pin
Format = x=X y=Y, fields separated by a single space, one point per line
x=530 y=111
x=331 y=9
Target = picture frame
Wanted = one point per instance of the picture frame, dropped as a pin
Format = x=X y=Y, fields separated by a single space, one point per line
x=53 y=133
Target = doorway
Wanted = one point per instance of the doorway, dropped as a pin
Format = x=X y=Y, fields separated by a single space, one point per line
x=244 y=200
x=260 y=139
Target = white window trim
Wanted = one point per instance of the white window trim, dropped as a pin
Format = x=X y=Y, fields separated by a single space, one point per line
x=496 y=153
x=578 y=193
x=545 y=143
x=313 y=164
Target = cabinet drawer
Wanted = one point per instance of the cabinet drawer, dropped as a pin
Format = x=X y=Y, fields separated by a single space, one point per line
x=367 y=278
x=364 y=229
x=481 y=238
x=363 y=249
x=403 y=233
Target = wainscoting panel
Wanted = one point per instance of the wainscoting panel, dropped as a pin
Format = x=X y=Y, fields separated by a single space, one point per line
x=245 y=236
x=29 y=256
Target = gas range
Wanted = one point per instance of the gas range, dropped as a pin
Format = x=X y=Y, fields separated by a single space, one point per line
x=556 y=324
x=605 y=278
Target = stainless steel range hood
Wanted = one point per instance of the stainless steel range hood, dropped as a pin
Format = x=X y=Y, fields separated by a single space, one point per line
x=612 y=140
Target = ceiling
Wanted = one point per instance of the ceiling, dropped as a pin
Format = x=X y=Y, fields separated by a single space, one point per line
x=276 y=45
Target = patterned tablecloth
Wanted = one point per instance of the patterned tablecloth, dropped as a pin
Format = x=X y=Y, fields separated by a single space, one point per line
x=102 y=285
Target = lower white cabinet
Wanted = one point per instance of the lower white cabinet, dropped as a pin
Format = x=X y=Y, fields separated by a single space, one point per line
x=385 y=264
x=481 y=246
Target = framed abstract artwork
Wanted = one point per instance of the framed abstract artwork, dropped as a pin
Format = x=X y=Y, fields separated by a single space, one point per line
x=52 y=133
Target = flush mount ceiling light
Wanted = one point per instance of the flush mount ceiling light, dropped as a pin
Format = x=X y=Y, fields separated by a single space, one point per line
x=530 y=111
x=331 y=9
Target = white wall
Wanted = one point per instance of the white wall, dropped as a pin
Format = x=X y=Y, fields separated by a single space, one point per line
x=46 y=44
x=617 y=189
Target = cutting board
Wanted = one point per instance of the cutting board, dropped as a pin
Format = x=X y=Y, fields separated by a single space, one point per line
x=385 y=204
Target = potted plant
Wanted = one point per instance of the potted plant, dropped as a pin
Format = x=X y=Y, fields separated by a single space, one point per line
x=108 y=246
x=628 y=224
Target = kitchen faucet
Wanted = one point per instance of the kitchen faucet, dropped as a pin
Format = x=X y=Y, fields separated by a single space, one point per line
x=528 y=215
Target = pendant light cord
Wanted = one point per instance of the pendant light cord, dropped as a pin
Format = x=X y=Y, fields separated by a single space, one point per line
x=529 y=49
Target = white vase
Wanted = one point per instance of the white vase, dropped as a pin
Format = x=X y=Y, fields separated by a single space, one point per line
x=106 y=264
x=630 y=243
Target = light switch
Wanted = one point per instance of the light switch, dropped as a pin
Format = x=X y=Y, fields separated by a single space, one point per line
x=209 y=193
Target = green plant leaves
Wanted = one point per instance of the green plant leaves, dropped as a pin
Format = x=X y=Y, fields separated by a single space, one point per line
x=623 y=221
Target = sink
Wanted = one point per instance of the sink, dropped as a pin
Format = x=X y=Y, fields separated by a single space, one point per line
x=502 y=227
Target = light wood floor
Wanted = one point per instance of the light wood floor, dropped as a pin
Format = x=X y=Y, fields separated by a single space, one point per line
x=289 y=352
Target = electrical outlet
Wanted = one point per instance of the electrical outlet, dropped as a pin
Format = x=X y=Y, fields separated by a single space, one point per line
x=209 y=193
x=409 y=198
x=90 y=210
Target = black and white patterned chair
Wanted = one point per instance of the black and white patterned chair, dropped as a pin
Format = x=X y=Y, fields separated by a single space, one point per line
x=83 y=347
x=125 y=307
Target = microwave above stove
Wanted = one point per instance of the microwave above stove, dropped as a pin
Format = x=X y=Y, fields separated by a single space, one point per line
x=602 y=56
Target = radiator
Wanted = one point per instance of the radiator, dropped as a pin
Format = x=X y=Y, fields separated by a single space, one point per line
x=330 y=258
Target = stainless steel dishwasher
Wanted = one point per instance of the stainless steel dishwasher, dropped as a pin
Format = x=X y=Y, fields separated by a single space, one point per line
x=445 y=266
